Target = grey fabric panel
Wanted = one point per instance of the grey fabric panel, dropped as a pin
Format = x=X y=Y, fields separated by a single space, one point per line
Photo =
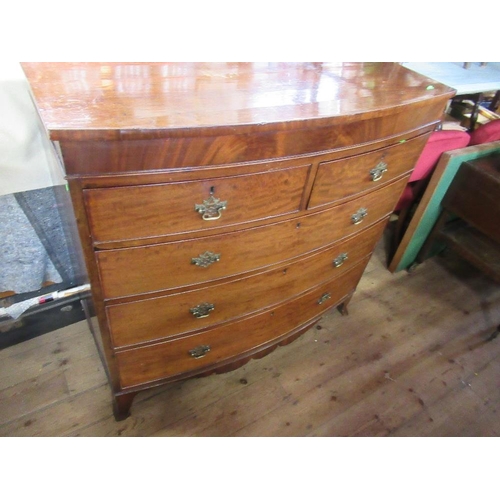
x=38 y=241
x=41 y=209
x=25 y=263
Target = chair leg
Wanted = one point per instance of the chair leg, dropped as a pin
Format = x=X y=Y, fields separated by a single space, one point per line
x=398 y=232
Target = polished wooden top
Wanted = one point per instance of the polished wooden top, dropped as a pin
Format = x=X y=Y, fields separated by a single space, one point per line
x=79 y=101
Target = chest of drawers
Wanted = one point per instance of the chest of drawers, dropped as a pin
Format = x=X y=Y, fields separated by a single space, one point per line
x=223 y=208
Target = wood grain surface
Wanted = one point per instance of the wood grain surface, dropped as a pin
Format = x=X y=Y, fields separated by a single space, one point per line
x=117 y=99
x=265 y=128
x=412 y=359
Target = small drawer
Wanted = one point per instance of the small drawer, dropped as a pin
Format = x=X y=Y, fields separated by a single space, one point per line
x=195 y=353
x=152 y=319
x=154 y=268
x=145 y=211
x=339 y=180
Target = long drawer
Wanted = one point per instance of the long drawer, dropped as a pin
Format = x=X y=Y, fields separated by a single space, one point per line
x=134 y=212
x=168 y=266
x=341 y=179
x=152 y=319
x=197 y=352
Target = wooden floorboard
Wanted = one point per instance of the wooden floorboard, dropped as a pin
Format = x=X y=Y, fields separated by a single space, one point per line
x=413 y=358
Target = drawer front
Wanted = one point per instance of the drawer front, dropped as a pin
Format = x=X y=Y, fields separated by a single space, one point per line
x=83 y=157
x=341 y=179
x=168 y=266
x=135 y=212
x=167 y=359
x=157 y=318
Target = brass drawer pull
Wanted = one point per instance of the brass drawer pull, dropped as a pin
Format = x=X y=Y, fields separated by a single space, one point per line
x=202 y=310
x=211 y=209
x=377 y=172
x=206 y=259
x=199 y=351
x=358 y=217
x=324 y=298
x=340 y=260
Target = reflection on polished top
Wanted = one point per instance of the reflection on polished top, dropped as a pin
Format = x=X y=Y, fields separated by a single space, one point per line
x=76 y=100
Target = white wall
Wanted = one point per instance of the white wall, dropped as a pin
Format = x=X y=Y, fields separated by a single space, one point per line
x=27 y=159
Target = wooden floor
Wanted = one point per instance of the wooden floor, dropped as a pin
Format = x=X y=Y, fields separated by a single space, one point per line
x=412 y=359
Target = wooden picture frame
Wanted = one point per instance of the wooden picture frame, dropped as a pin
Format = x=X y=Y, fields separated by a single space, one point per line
x=429 y=207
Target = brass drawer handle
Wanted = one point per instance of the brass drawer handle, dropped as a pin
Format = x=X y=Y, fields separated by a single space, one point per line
x=199 y=351
x=211 y=209
x=358 y=217
x=324 y=298
x=377 y=172
x=206 y=259
x=340 y=260
x=202 y=310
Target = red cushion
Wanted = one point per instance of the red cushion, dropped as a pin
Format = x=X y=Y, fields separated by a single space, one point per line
x=439 y=142
x=488 y=132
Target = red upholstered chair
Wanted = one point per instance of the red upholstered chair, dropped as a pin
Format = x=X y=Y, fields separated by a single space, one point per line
x=488 y=132
x=439 y=142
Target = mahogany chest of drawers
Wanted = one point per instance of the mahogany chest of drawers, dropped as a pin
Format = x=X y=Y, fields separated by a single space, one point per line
x=223 y=208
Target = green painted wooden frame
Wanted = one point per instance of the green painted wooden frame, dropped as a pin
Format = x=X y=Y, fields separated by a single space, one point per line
x=429 y=207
